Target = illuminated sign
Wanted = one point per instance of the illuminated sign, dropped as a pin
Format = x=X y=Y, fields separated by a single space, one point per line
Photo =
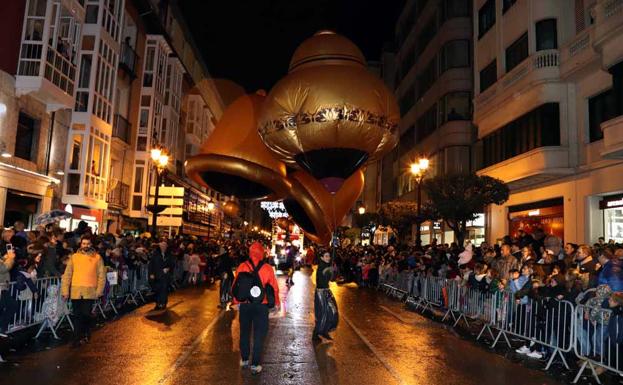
x=274 y=209
x=534 y=213
x=88 y=218
x=615 y=203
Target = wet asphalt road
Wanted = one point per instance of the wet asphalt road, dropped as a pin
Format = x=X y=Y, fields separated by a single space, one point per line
x=377 y=342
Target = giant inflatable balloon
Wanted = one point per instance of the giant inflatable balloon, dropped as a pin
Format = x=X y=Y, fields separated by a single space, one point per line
x=329 y=115
x=231 y=208
x=317 y=211
x=234 y=161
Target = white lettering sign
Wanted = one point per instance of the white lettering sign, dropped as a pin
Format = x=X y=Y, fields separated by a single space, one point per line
x=274 y=209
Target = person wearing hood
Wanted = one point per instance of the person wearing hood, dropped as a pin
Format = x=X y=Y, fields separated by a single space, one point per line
x=325 y=307
x=83 y=282
x=255 y=315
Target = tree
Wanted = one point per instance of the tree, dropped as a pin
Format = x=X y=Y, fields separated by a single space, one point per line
x=458 y=198
x=401 y=215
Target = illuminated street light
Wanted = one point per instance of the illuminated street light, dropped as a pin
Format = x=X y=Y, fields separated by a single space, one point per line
x=161 y=160
x=361 y=209
x=418 y=170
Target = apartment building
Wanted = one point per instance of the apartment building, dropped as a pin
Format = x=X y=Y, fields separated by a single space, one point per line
x=548 y=105
x=433 y=84
x=38 y=67
x=87 y=88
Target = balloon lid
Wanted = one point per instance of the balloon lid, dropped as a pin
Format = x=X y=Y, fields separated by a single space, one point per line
x=326 y=46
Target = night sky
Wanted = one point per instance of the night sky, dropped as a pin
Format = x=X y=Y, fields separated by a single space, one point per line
x=251 y=41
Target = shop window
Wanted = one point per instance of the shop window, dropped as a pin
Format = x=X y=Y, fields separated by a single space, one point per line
x=601 y=108
x=26 y=138
x=488 y=76
x=546 y=35
x=517 y=52
x=454 y=54
x=486 y=17
x=455 y=106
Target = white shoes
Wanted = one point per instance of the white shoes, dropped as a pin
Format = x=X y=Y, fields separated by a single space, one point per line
x=523 y=350
x=256 y=369
x=535 y=354
x=244 y=364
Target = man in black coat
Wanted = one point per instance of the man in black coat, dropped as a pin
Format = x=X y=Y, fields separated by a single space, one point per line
x=161 y=269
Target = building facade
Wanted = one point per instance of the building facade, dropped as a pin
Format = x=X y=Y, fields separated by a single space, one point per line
x=87 y=88
x=433 y=84
x=548 y=105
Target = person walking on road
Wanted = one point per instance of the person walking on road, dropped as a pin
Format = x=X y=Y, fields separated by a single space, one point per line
x=83 y=282
x=325 y=307
x=161 y=269
x=255 y=288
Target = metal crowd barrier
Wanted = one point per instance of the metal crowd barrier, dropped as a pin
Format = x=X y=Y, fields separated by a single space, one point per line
x=128 y=287
x=598 y=340
x=43 y=306
x=545 y=322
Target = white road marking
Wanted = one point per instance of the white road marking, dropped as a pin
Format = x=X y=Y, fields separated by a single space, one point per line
x=379 y=355
x=396 y=315
x=186 y=355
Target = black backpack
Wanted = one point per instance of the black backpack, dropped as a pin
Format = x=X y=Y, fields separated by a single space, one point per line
x=248 y=287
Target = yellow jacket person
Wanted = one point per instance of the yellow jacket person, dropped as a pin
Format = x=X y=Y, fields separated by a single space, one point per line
x=85 y=275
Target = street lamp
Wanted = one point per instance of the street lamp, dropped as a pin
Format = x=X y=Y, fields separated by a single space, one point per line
x=361 y=209
x=161 y=160
x=418 y=170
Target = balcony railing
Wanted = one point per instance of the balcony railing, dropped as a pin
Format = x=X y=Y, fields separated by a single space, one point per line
x=121 y=128
x=128 y=59
x=119 y=196
x=542 y=65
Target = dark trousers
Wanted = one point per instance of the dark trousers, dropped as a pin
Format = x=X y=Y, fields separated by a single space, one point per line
x=83 y=317
x=8 y=308
x=162 y=291
x=253 y=315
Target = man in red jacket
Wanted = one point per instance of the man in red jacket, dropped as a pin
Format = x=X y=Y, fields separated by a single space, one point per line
x=255 y=315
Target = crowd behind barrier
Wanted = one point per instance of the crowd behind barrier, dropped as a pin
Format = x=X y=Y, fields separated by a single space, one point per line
x=32 y=264
x=563 y=301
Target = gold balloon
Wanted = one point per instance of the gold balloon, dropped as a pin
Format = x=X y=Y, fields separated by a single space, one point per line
x=317 y=211
x=231 y=208
x=234 y=161
x=329 y=115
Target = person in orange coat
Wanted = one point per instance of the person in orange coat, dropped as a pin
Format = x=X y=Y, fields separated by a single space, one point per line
x=255 y=315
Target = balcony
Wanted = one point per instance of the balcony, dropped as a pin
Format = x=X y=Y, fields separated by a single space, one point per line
x=540 y=67
x=613 y=138
x=128 y=59
x=535 y=166
x=608 y=15
x=121 y=128
x=579 y=56
x=119 y=196
x=46 y=74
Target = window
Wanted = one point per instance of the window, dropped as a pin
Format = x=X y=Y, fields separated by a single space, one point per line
x=455 y=106
x=138 y=180
x=537 y=128
x=517 y=52
x=455 y=8
x=25 y=139
x=407 y=141
x=454 y=54
x=427 y=77
x=546 y=37
x=91 y=14
x=486 y=17
x=601 y=108
x=426 y=35
x=76 y=147
x=507 y=4
x=488 y=76
x=426 y=124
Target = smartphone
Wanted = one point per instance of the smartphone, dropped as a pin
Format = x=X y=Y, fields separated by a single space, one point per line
x=9 y=247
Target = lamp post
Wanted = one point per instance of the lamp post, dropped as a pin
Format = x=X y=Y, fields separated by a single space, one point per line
x=210 y=208
x=418 y=170
x=160 y=159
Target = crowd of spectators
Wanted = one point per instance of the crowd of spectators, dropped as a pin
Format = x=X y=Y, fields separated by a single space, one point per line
x=45 y=251
x=523 y=268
